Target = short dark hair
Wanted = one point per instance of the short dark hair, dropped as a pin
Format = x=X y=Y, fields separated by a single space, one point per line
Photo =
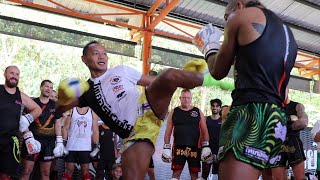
x=86 y=47
x=224 y=106
x=218 y=101
x=44 y=81
x=253 y=4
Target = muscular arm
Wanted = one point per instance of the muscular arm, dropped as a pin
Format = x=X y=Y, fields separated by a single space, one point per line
x=315 y=132
x=169 y=128
x=66 y=127
x=59 y=123
x=203 y=128
x=302 y=121
x=57 y=127
x=95 y=128
x=219 y=64
x=145 y=80
x=317 y=137
x=32 y=106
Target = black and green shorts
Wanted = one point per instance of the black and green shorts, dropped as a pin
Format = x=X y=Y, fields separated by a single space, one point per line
x=255 y=132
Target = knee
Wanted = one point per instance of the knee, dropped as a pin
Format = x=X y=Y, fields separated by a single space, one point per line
x=27 y=171
x=45 y=173
x=169 y=75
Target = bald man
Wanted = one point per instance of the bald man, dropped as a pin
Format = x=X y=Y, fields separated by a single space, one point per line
x=136 y=117
x=263 y=50
x=11 y=100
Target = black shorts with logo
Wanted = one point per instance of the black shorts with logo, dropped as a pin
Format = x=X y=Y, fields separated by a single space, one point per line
x=292 y=152
x=46 y=153
x=81 y=157
x=9 y=155
x=214 y=165
x=181 y=154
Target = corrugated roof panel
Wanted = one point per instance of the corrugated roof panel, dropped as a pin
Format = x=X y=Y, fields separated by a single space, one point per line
x=306 y=41
x=306 y=15
x=317 y=2
x=206 y=11
x=189 y=7
x=297 y=13
x=277 y=6
x=199 y=9
x=180 y=6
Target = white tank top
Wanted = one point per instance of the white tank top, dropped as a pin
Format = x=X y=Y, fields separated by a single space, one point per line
x=80 y=131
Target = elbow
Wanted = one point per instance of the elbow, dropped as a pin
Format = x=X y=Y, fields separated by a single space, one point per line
x=38 y=112
x=217 y=75
x=305 y=123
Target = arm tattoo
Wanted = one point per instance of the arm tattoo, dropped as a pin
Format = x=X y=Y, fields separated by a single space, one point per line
x=258 y=27
x=301 y=113
x=302 y=118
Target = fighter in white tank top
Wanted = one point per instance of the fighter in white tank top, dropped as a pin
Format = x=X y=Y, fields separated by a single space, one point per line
x=80 y=131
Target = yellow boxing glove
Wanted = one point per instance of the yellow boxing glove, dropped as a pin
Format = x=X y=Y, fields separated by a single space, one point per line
x=70 y=89
x=196 y=65
x=201 y=66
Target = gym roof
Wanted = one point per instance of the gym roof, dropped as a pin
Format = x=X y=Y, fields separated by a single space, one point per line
x=181 y=19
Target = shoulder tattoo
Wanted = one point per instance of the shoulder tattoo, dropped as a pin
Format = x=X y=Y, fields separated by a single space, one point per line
x=258 y=27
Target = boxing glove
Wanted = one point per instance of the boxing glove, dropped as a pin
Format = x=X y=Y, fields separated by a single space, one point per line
x=206 y=154
x=166 y=153
x=196 y=65
x=200 y=66
x=70 y=89
x=60 y=150
x=95 y=153
x=207 y=40
x=24 y=122
x=33 y=146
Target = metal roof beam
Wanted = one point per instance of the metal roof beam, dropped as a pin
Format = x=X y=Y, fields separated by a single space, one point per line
x=308 y=3
x=164 y=12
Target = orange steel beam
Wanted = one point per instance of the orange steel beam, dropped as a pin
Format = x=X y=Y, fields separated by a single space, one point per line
x=147 y=37
x=162 y=15
x=146 y=21
x=58 y=4
x=115 y=6
x=154 y=7
x=307 y=55
x=146 y=52
x=309 y=74
x=182 y=23
x=306 y=60
x=133 y=32
x=302 y=67
x=311 y=63
x=114 y=14
x=74 y=14
x=175 y=27
x=174 y=36
x=137 y=37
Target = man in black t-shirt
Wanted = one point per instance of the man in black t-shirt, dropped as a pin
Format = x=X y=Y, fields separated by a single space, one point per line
x=11 y=100
x=108 y=141
x=292 y=153
x=45 y=128
x=188 y=124
x=214 y=126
